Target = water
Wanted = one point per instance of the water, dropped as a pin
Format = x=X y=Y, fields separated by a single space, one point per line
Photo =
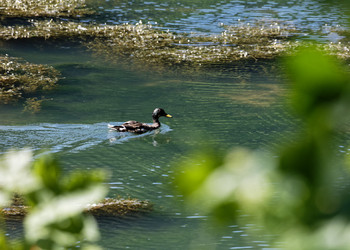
x=238 y=105
x=206 y=16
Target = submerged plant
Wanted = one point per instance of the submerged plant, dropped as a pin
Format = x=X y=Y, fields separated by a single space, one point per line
x=20 y=78
x=33 y=105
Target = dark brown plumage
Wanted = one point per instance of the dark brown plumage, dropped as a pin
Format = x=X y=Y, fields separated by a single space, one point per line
x=139 y=127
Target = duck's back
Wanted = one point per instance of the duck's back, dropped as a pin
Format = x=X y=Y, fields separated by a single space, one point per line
x=132 y=126
x=132 y=123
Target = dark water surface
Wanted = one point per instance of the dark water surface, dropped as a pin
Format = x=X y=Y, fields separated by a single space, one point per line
x=236 y=105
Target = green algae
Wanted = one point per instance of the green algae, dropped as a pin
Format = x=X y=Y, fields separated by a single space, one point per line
x=43 y=8
x=19 y=79
x=144 y=44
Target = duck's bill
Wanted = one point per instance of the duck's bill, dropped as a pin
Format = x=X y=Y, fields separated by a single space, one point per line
x=168 y=116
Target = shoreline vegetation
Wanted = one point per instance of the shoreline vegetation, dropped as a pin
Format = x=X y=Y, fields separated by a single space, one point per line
x=131 y=44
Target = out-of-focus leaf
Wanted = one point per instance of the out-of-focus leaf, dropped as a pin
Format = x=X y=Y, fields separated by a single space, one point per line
x=79 y=181
x=195 y=170
x=331 y=234
x=47 y=169
x=15 y=172
x=318 y=81
x=5 y=197
x=57 y=202
x=242 y=181
x=47 y=218
x=302 y=158
x=3 y=242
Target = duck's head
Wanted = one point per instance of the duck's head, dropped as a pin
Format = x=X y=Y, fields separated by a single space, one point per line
x=158 y=112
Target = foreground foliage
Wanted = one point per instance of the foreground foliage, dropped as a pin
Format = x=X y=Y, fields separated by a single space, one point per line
x=56 y=202
x=296 y=195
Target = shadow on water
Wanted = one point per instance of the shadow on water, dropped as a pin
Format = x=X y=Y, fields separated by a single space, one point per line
x=67 y=137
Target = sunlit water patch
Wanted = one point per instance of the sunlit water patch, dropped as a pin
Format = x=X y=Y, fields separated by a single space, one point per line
x=65 y=137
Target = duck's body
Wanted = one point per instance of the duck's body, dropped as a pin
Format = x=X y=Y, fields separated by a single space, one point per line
x=139 y=127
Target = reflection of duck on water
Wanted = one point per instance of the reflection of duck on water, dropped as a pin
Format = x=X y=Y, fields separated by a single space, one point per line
x=139 y=127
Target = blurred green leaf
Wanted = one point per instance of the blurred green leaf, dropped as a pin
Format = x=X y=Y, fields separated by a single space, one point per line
x=318 y=81
x=303 y=159
x=56 y=219
x=15 y=172
x=47 y=169
x=238 y=181
x=195 y=169
x=79 y=181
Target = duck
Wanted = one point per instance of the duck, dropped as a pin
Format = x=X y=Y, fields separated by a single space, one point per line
x=140 y=127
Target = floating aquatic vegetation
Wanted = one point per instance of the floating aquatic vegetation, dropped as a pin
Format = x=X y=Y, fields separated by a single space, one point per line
x=127 y=36
x=19 y=78
x=43 y=8
x=242 y=41
x=118 y=207
x=151 y=46
x=45 y=29
x=107 y=207
x=142 y=43
x=255 y=33
x=143 y=47
x=340 y=49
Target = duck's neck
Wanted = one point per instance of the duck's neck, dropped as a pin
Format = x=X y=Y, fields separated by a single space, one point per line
x=156 y=123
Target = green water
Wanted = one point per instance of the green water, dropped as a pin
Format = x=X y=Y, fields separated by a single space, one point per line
x=241 y=104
